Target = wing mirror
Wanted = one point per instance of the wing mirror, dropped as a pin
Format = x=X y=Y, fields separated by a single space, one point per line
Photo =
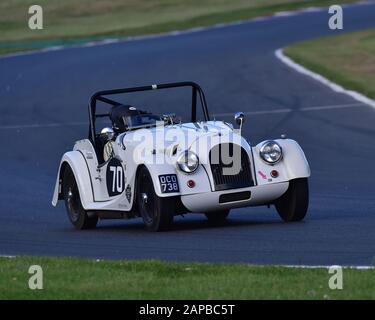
x=239 y=117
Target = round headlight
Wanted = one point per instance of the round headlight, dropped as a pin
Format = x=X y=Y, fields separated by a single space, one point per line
x=271 y=152
x=188 y=162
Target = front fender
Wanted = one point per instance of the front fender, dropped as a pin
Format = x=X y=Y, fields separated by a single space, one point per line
x=293 y=165
x=159 y=168
x=294 y=159
x=76 y=161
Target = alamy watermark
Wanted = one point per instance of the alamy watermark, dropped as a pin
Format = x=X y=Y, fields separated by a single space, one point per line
x=336 y=21
x=336 y=281
x=174 y=140
x=36 y=17
x=36 y=280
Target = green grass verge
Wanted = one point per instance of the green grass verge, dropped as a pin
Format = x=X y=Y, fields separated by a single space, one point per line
x=70 y=21
x=68 y=278
x=347 y=59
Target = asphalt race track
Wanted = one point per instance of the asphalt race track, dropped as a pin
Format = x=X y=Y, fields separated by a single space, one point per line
x=43 y=107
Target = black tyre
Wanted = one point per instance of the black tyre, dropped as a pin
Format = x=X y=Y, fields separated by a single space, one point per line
x=293 y=204
x=78 y=216
x=217 y=217
x=157 y=212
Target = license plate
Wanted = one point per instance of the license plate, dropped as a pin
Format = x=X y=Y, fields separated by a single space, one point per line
x=168 y=183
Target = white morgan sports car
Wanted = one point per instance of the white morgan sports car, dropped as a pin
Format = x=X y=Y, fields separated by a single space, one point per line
x=156 y=167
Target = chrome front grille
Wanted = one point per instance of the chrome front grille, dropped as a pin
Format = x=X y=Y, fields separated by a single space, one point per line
x=230 y=167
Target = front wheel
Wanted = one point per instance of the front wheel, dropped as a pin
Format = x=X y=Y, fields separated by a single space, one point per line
x=293 y=204
x=78 y=216
x=157 y=212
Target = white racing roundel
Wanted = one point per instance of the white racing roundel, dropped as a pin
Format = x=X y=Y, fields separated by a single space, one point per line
x=115 y=177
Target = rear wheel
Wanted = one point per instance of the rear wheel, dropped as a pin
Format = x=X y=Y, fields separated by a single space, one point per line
x=293 y=204
x=78 y=216
x=157 y=212
x=217 y=217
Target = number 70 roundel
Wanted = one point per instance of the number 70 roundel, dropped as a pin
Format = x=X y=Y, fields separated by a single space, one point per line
x=115 y=178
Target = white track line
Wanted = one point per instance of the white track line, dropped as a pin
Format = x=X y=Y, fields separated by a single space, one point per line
x=334 y=86
x=286 y=110
x=338 y=106
x=280 y=14
x=37 y=125
x=250 y=113
x=327 y=267
x=296 y=266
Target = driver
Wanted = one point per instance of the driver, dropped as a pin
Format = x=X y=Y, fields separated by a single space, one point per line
x=120 y=116
x=125 y=117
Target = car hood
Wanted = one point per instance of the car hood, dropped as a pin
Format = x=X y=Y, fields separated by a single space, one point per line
x=170 y=140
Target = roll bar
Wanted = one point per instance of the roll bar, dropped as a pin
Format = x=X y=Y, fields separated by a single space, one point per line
x=101 y=96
